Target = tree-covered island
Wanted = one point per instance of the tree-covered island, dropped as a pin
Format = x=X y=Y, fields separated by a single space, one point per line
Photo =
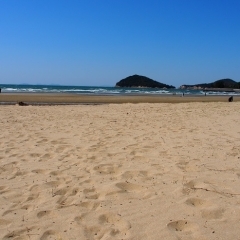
x=141 y=81
x=226 y=83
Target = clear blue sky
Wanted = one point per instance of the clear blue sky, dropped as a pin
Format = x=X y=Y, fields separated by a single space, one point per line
x=99 y=42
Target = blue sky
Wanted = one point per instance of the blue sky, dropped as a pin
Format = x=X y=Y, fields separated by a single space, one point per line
x=99 y=42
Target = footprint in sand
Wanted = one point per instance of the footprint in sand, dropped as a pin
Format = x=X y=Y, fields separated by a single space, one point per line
x=47 y=155
x=50 y=234
x=54 y=184
x=112 y=169
x=129 y=187
x=188 y=166
x=89 y=205
x=104 y=225
x=28 y=207
x=207 y=212
x=91 y=193
x=115 y=224
x=213 y=213
x=44 y=140
x=61 y=191
x=196 y=202
x=132 y=189
x=56 y=173
x=19 y=173
x=182 y=226
x=33 y=197
x=19 y=234
x=59 y=141
x=35 y=155
x=182 y=165
x=40 y=171
x=199 y=185
x=16 y=210
x=74 y=191
x=64 y=202
x=14 y=197
x=14 y=155
x=3 y=189
x=4 y=223
x=136 y=175
x=9 y=170
x=62 y=148
x=45 y=214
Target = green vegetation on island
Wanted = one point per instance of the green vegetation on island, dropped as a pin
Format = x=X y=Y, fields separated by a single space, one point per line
x=141 y=81
x=219 y=84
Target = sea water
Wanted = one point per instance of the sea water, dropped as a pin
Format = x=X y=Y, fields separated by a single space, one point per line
x=25 y=88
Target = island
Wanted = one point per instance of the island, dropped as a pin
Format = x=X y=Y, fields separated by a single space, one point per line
x=225 y=84
x=141 y=81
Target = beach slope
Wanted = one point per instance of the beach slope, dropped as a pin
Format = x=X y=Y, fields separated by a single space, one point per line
x=120 y=171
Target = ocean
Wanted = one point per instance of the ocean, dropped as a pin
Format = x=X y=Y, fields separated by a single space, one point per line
x=25 y=88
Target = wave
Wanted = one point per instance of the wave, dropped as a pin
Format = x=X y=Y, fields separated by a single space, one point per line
x=10 y=88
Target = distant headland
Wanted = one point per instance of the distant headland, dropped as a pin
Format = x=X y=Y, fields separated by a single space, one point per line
x=226 y=84
x=138 y=81
x=141 y=81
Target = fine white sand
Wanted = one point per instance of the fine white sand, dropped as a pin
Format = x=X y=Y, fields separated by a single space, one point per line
x=120 y=171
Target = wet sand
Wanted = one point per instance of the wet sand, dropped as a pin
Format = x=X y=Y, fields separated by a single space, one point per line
x=46 y=98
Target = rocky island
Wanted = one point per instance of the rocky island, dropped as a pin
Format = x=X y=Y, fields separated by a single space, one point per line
x=141 y=81
x=226 y=84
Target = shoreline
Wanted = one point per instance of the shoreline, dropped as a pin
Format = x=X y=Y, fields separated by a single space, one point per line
x=75 y=99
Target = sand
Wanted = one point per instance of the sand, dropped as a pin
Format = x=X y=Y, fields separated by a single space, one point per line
x=120 y=171
x=46 y=98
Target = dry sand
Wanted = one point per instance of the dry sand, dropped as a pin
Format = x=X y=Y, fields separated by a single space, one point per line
x=120 y=171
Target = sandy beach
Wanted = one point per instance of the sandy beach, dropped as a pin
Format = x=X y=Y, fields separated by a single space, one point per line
x=119 y=171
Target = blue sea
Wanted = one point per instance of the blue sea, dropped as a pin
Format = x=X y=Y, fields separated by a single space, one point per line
x=25 y=88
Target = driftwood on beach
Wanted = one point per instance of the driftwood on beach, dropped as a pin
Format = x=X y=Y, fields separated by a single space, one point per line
x=22 y=104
